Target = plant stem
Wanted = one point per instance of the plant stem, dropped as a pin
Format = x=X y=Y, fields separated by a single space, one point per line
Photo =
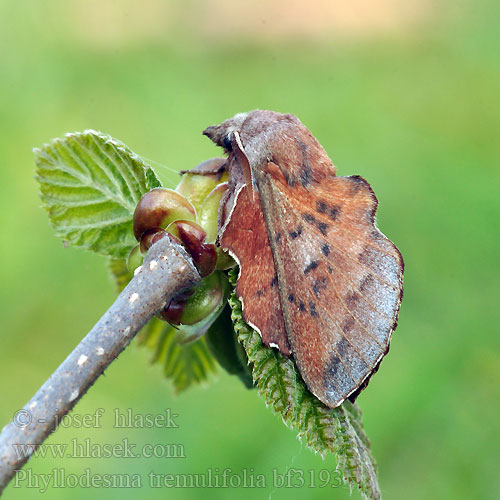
x=167 y=270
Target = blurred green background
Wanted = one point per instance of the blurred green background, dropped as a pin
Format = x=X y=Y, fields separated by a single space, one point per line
x=405 y=94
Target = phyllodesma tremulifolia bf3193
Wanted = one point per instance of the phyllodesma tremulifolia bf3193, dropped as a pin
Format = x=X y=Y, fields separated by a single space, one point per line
x=317 y=279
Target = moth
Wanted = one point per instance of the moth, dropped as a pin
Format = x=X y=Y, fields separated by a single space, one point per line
x=317 y=280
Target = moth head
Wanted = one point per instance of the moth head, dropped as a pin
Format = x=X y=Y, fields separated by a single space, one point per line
x=223 y=134
x=227 y=135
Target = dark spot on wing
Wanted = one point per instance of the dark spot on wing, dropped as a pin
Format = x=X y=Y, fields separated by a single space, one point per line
x=366 y=282
x=323 y=227
x=277 y=238
x=364 y=257
x=311 y=266
x=274 y=281
x=347 y=351
x=291 y=297
x=348 y=325
x=319 y=285
x=334 y=212
x=296 y=233
x=352 y=299
x=321 y=207
x=312 y=308
x=261 y=292
x=326 y=249
x=302 y=306
x=332 y=369
x=342 y=346
x=309 y=218
x=330 y=269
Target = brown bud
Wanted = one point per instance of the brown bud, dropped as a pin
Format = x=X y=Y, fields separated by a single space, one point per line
x=172 y=312
x=192 y=236
x=158 y=208
x=151 y=236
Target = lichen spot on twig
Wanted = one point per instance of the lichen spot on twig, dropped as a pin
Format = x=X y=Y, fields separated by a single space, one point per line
x=82 y=360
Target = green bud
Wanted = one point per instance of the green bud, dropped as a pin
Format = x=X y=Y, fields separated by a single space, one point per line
x=134 y=259
x=208 y=219
x=208 y=212
x=190 y=333
x=207 y=298
x=195 y=187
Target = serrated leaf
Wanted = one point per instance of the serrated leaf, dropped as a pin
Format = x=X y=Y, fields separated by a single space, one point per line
x=338 y=431
x=183 y=364
x=151 y=180
x=90 y=184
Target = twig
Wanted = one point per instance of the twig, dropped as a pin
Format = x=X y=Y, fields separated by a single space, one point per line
x=167 y=270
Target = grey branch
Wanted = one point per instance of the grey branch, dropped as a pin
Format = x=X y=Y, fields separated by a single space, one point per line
x=166 y=271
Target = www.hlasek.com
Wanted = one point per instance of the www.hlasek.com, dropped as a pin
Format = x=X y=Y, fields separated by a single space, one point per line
x=211 y=478
x=87 y=449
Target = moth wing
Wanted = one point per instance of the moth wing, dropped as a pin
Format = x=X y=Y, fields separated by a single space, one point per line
x=339 y=279
x=245 y=238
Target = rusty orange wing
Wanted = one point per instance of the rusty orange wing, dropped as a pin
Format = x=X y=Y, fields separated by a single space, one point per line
x=246 y=239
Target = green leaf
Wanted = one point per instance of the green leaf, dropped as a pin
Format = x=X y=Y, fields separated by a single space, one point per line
x=338 y=431
x=224 y=346
x=183 y=364
x=151 y=180
x=90 y=184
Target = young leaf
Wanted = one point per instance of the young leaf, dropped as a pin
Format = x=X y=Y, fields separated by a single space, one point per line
x=338 y=431
x=90 y=184
x=183 y=364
